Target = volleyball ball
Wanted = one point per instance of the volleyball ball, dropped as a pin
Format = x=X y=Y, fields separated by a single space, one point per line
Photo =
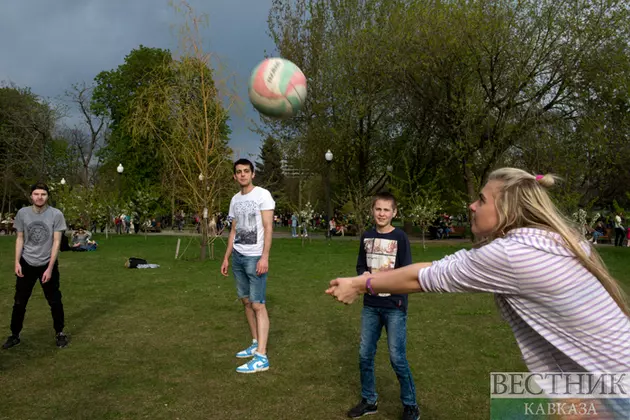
x=277 y=88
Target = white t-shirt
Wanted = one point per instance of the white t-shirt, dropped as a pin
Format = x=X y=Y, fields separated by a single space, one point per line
x=245 y=210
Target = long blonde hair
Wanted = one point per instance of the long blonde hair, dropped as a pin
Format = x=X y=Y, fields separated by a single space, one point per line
x=523 y=201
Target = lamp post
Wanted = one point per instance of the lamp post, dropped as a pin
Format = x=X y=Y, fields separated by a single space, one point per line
x=120 y=170
x=329 y=157
x=63 y=190
x=205 y=203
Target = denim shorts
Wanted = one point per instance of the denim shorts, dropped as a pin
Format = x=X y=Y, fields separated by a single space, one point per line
x=248 y=283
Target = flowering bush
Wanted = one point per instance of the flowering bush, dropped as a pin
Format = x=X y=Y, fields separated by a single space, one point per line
x=307 y=214
x=595 y=219
x=579 y=217
x=423 y=210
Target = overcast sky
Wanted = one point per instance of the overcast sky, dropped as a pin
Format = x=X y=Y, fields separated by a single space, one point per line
x=48 y=45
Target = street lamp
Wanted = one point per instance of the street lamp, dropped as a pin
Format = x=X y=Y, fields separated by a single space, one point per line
x=329 y=157
x=120 y=170
x=63 y=189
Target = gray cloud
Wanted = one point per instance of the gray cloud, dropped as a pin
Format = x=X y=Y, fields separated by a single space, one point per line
x=49 y=45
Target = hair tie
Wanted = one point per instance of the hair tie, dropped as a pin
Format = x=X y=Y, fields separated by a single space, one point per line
x=539 y=177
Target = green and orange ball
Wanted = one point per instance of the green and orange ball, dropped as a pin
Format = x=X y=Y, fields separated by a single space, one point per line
x=277 y=88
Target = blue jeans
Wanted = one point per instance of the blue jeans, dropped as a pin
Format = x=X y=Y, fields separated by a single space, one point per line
x=395 y=323
x=248 y=283
x=293 y=230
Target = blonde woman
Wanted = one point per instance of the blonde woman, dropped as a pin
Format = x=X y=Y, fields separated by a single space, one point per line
x=566 y=311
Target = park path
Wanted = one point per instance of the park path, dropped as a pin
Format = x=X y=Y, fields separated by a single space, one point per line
x=320 y=237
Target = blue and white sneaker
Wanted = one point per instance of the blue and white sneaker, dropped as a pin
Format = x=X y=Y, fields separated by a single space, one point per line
x=249 y=351
x=259 y=363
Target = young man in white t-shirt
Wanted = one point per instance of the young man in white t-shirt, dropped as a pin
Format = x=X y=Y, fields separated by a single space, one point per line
x=251 y=212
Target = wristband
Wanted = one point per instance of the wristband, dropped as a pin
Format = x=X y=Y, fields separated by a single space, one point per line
x=368 y=286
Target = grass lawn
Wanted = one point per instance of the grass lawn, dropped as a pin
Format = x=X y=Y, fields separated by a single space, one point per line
x=160 y=344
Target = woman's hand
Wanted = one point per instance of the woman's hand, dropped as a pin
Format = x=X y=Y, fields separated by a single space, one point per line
x=348 y=289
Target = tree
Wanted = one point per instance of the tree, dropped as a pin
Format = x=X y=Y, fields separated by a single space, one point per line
x=141 y=204
x=27 y=122
x=181 y=110
x=92 y=135
x=269 y=172
x=349 y=108
x=492 y=72
x=76 y=202
x=460 y=87
x=113 y=95
x=422 y=210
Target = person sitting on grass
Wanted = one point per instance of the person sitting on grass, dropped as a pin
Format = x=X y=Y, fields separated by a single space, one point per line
x=81 y=240
x=80 y=237
x=567 y=312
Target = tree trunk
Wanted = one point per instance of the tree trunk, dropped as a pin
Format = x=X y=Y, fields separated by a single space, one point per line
x=204 y=239
x=408 y=227
x=423 y=244
x=299 y=226
x=472 y=193
x=173 y=204
x=86 y=174
x=4 y=195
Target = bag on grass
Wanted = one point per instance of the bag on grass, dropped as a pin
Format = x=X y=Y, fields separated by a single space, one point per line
x=133 y=262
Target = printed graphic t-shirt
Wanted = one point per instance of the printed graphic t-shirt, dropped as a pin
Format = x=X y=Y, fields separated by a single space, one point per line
x=245 y=211
x=38 y=233
x=381 y=252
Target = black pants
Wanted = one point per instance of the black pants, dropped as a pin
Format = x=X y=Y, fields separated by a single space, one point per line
x=24 y=288
x=619 y=234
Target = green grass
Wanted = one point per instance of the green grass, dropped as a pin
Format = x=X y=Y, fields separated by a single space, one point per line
x=160 y=344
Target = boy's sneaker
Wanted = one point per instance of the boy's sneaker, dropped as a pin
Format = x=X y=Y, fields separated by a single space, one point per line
x=249 y=351
x=62 y=340
x=362 y=409
x=411 y=412
x=259 y=363
x=12 y=341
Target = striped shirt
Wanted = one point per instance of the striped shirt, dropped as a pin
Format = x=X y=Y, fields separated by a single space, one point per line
x=562 y=317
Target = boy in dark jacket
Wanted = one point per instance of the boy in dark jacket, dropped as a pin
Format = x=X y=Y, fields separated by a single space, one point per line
x=384 y=248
